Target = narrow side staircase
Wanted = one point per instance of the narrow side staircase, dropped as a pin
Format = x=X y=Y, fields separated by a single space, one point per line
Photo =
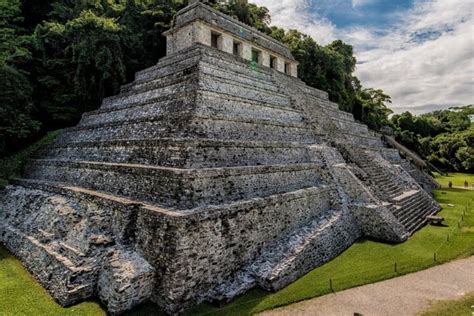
x=409 y=204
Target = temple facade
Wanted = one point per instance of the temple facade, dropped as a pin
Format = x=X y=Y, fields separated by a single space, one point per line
x=202 y=24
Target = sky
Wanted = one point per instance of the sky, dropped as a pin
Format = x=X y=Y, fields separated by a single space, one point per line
x=420 y=52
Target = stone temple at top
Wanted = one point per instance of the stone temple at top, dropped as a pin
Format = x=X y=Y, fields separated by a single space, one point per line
x=214 y=172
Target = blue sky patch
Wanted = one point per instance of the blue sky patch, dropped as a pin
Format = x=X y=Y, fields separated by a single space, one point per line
x=370 y=13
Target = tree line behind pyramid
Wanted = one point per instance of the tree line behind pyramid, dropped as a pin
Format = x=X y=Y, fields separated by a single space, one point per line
x=58 y=59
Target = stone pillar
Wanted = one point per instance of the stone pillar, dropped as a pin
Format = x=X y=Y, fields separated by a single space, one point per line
x=294 y=70
x=227 y=44
x=246 y=51
x=280 y=64
x=265 y=59
x=202 y=33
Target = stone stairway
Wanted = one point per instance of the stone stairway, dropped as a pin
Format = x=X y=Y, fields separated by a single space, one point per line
x=412 y=208
x=386 y=186
x=409 y=203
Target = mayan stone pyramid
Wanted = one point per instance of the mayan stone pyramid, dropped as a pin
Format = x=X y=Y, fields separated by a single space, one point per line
x=215 y=171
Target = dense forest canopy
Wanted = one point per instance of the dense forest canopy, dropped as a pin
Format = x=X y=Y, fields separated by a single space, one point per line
x=59 y=58
x=445 y=138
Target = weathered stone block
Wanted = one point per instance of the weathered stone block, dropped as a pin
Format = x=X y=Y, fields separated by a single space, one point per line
x=126 y=280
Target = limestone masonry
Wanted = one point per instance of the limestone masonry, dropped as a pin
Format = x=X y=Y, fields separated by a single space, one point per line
x=214 y=172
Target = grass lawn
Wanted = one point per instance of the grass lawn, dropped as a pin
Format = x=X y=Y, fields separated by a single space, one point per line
x=365 y=262
x=20 y=294
x=456 y=178
x=462 y=307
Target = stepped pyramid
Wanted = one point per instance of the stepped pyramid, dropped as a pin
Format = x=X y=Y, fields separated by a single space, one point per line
x=215 y=171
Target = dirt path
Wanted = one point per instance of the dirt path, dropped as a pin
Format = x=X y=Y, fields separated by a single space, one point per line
x=406 y=295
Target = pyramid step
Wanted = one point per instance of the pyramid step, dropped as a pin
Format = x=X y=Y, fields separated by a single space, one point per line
x=308 y=201
x=390 y=187
x=196 y=76
x=168 y=87
x=415 y=198
x=189 y=126
x=353 y=127
x=183 y=153
x=325 y=104
x=420 y=220
x=341 y=115
x=140 y=110
x=162 y=87
x=202 y=103
x=405 y=196
x=393 y=193
x=363 y=140
x=384 y=183
x=389 y=192
x=241 y=71
x=169 y=64
x=320 y=196
x=207 y=70
x=215 y=69
x=232 y=87
x=182 y=95
x=179 y=188
x=316 y=93
x=184 y=68
x=310 y=94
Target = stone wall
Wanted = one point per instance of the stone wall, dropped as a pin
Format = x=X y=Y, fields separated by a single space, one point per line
x=214 y=243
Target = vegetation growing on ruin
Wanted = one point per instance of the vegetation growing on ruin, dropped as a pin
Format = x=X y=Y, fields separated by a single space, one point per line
x=364 y=262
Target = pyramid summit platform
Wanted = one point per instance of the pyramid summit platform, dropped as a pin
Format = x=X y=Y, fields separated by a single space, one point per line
x=214 y=172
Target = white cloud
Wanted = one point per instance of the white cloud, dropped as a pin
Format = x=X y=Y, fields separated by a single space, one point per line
x=296 y=14
x=425 y=61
